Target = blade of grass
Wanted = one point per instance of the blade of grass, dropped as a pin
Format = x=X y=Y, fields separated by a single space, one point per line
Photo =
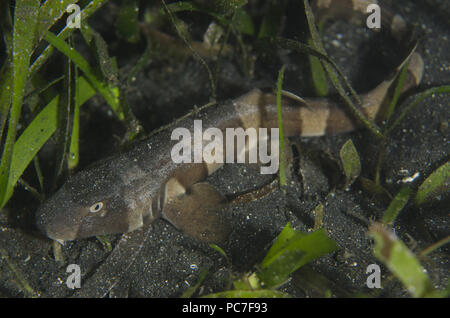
x=49 y=14
x=295 y=250
x=65 y=112
x=396 y=205
x=74 y=156
x=400 y=76
x=226 y=7
x=219 y=249
x=5 y=95
x=303 y=48
x=318 y=75
x=46 y=85
x=127 y=21
x=194 y=53
x=109 y=70
x=435 y=246
x=307 y=49
x=272 y=20
x=100 y=49
x=248 y=281
x=437 y=183
x=239 y=23
x=110 y=94
x=191 y=290
x=381 y=153
x=400 y=261
x=350 y=162
x=37 y=133
x=281 y=242
x=243 y=22
x=22 y=283
x=280 y=127
x=86 y=12
x=34 y=192
x=25 y=20
x=6 y=25
x=397 y=92
x=333 y=76
x=222 y=46
x=316 y=40
x=39 y=174
x=373 y=188
x=444 y=89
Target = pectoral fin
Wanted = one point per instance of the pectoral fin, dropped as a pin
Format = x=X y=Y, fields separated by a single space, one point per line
x=199 y=212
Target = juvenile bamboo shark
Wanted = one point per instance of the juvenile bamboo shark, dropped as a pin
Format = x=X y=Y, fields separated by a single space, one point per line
x=125 y=192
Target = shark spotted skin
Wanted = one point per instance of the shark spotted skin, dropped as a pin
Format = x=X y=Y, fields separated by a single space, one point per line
x=128 y=191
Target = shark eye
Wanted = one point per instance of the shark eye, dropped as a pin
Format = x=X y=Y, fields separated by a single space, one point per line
x=96 y=207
